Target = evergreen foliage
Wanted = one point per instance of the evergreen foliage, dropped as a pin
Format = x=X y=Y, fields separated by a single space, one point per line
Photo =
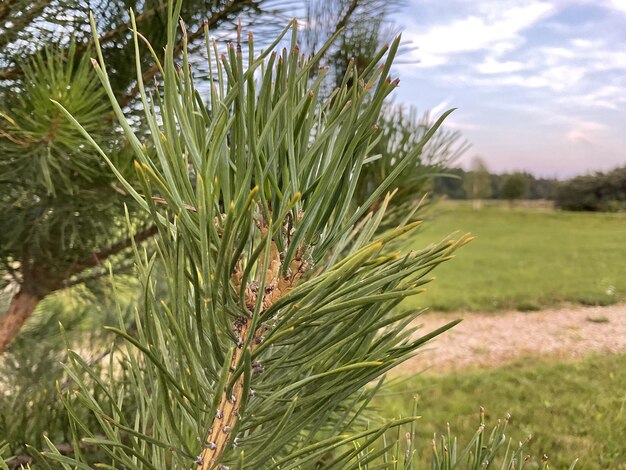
x=32 y=374
x=484 y=450
x=281 y=302
x=60 y=206
x=402 y=130
x=265 y=341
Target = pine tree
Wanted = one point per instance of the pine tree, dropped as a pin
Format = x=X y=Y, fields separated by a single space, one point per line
x=282 y=294
x=60 y=207
x=366 y=27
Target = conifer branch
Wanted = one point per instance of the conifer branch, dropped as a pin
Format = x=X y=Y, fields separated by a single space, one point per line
x=227 y=415
x=235 y=258
x=346 y=17
x=99 y=257
x=10 y=73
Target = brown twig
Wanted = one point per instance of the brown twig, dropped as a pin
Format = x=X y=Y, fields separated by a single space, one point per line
x=97 y=258
x=346 y=17
x=219 y=434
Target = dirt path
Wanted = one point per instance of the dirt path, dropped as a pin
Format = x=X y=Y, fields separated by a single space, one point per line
x=484 y=340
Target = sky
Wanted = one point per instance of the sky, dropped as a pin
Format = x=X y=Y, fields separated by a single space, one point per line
x=540 y=86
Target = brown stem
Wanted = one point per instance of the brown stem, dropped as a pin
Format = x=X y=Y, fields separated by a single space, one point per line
x=95 y=259
x=277 y=286
x=27 y=15
x=346 y=17
x=10 y=73
x=22 y=305
x=38 y=284
x=234 y=7
x=5 y=9
x=219 y=434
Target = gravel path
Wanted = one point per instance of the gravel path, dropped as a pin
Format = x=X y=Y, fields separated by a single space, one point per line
x=485 y=340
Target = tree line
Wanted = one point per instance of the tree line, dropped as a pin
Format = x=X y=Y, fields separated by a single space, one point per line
x=599 y=191
x=458 y=183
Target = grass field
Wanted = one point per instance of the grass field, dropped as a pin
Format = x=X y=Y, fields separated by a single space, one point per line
x=525 y=259
x=572 y=410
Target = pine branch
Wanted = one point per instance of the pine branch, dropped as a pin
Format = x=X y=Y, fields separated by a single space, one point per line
x=94 y=275
x=354 y=4
x=123 y=28
x=5 y=9
x=27 y=16
x=343 y=21
x=238 y=313
x=226 y=418
x=99 y=257
x=236 y=6
x=10 y=73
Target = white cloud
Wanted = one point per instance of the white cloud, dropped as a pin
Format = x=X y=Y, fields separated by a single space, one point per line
x=619 y=5
x=585 y=132
x=557 y=79
x=492 y=66
x=608 y=97
x=563 y=77
x=566 y=69
x=582 y=43
x=498 y=31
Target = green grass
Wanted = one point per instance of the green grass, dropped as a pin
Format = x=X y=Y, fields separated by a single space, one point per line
x=572 y=410
x=525 y=259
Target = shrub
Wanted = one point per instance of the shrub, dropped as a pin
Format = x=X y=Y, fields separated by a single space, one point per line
x=596 y=192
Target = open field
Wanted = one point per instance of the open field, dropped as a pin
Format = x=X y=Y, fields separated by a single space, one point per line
x=572 y=409
x=525 y=258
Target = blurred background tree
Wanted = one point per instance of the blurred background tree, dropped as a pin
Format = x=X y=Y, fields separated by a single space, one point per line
x=600 y=191
x=477 y=182
x=367 y=27
x=514 y=187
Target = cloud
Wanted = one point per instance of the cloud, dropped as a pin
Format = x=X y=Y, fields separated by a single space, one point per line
x=574 y=68
x=492 y=66
x=558 y=79
x=497 y=31
x=540 y=78
x=608 y=97
x=586 y=132
x=618 y=5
